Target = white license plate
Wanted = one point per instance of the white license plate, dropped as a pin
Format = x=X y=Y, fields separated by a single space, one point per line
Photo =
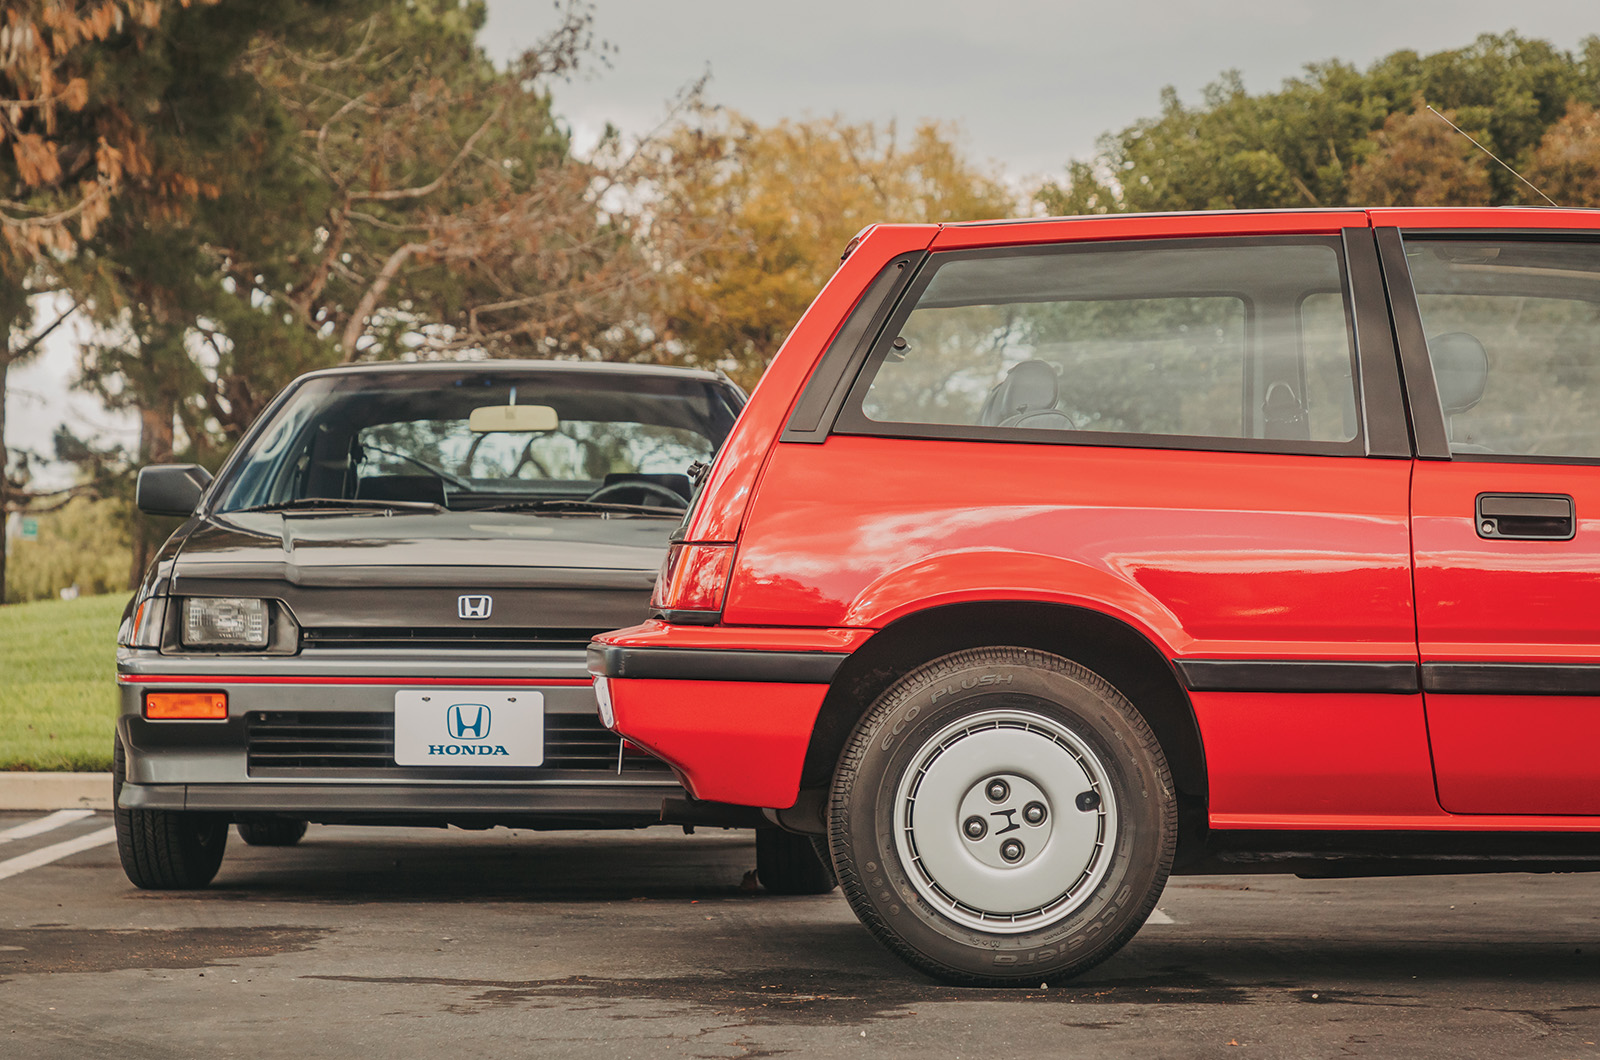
x=468 y=727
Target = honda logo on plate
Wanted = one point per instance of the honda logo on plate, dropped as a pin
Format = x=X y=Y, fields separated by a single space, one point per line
x=474 y=606
x=468 y=721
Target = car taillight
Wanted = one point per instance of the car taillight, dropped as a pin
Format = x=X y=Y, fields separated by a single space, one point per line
x=693 y=578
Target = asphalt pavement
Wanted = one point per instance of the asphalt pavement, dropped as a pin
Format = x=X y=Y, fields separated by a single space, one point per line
x=428 y=943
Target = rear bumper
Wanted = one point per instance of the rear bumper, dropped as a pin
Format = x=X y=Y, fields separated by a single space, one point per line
x=731 y=709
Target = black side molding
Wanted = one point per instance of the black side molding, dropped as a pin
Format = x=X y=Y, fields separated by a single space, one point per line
x=1512 y=679
x=701 y=664
x=1278 y=675
x=1399 y=678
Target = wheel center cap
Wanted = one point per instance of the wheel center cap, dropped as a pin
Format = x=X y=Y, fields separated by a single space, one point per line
x=1005 y=821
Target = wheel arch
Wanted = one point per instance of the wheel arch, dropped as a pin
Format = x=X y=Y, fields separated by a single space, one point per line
x=1105 y=644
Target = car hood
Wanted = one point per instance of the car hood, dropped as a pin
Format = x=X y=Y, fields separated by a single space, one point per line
x=338 y=571
x=311 y=547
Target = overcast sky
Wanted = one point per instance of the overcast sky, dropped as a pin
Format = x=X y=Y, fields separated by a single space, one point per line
x=1031 y=83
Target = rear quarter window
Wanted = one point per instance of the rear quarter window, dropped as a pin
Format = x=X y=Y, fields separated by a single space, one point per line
x=1225 y=343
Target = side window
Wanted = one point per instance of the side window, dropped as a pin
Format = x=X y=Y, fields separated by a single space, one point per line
x=1513 y=330
x=1221 y=342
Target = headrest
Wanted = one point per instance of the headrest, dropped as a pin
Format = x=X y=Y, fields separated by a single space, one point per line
x=1027 y=387
x=1460 y=368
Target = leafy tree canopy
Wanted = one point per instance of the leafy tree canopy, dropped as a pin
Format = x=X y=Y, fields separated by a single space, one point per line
x=1338 y=135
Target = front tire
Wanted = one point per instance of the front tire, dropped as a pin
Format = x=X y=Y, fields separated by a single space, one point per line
x=787 y=863
x=165 y=850
x=1002 y=816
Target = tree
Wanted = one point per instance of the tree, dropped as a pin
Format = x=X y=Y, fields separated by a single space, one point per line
x=403 y=197
x=1566 y=165
x=774 y=206
x=82 y=543
x=372 y=186
x=78 y=80
x=1421 y=161
x=1300 y=145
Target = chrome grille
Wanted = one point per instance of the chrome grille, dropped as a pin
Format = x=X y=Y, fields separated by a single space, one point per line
x=446 y=637
x=360 y=745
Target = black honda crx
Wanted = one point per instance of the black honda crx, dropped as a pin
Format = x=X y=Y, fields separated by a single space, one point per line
x=377 y=612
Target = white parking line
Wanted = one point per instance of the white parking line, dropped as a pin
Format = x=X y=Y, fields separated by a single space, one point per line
x=56 y=851
x=47 y=823
x=1159 y=917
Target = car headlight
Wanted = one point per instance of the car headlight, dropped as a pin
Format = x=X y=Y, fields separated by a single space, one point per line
x=224 y=622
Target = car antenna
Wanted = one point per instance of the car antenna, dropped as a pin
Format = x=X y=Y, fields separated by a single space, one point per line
x=1492 y=155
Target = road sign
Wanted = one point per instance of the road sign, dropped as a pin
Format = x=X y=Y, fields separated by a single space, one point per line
x=30 y=528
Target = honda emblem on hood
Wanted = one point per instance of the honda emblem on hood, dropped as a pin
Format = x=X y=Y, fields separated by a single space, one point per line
x=474 y=606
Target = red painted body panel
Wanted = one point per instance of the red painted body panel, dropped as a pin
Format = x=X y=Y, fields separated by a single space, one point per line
x=1435 y=822
x=738 y=464
x=1307 y=754
x=1207 y=554
x=1481 y=217
x=453 y=682
x=730 y=741
x=1516 y=754
x=1487 y=600
x=1145 y=226
x=658 y=634
x=1503 y=600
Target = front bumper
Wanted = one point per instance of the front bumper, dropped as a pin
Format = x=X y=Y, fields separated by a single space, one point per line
x=731 y=709
x=312 y=736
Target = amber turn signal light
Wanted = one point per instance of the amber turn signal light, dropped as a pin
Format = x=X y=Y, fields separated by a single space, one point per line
x=186 y=706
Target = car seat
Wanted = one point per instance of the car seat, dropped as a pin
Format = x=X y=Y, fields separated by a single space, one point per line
x=1026 y=397
x=1461 y=371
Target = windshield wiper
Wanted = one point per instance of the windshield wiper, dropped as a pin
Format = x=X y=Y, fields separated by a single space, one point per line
x=333 y=503
x=573 y=504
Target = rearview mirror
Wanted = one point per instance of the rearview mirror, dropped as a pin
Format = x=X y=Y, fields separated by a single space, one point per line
x=170 y=489
x=522 y=419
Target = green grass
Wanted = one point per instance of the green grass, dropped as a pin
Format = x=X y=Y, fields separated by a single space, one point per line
x=58 y=683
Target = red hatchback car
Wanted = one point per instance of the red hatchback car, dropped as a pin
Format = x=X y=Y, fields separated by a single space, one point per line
x=1054 y=556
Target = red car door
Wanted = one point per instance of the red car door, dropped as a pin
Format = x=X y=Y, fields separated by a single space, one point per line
x=1500 y=340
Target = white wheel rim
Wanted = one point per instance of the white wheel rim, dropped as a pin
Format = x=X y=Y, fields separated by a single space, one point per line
x=1046 y=841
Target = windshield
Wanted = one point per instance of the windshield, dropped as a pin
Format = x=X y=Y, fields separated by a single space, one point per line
x=412 y=437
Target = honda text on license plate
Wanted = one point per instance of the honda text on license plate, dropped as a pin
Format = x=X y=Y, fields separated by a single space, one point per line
x=468 y=727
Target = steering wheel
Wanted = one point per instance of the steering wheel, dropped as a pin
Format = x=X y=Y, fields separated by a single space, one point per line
x=674 y=498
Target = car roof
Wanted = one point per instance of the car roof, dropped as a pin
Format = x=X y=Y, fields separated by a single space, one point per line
x=1412 y=214
x=516 y=365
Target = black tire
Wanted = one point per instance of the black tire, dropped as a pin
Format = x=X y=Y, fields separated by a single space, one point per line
x=165 y=850
x=989 y=923
x=787 y=863
x=271 y=831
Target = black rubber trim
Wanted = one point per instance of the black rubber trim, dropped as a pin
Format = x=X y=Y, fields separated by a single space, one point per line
x=1278 y=675
x=1512 y=679
x=824 y=392
x=1422 y=393
x=715 y=664
x=1383 y=401
x=687 y=618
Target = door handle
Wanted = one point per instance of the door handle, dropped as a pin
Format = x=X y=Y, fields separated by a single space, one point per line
x=1527 y=516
